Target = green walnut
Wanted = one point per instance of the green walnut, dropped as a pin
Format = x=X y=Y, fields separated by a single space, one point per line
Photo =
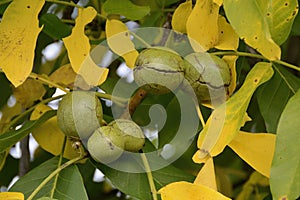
x=79 y=114
x=105 y=145
x=207 y=74
x=158 y=70
x=131 y=133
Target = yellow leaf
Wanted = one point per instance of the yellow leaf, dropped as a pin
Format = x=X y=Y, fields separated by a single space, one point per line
x=228 y=39
x=226 y=120
x=29 y=92
x=186 y=191
x=118 y=39
x=181 y=15
x=231 y=61
x=8 y=113
x=202 y=25
x=66 y=76
x=257 y=149
x=19 y=29
x=207 y=176
x=11 y=196
x=218 y=2
x=50 y=137
x=78 y=47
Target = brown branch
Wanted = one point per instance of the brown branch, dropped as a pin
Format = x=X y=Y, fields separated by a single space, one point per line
x=134 y=102
x=25 y=157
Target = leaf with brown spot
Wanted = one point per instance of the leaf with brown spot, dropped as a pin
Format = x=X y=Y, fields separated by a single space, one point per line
x=19 y=29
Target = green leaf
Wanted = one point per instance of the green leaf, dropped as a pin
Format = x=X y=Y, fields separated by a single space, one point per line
x=10 y=169
x=280 y=15
x=10 y=138
x=54 y=27
x=248 y=18
x=68 y=185
x=273 y=96
x=285 y=170
x=296 y=26
x=136 y=184
x=126 y=8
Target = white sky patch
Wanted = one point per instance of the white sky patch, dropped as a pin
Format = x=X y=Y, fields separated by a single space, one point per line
x=168 y=151
x=11 y=101
x=52 y=51
x=98 y=176
x=125 y=72
x=54 y=104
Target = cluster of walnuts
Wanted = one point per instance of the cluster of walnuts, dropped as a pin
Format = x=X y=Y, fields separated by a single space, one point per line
x=158 y=70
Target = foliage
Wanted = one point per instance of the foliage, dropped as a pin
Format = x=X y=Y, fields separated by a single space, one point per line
x=189 y=157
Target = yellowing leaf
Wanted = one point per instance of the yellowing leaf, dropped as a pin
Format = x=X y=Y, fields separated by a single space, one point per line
x=50 y=137
x=181 y=15
x=186 y=191
x=19 y=29
x=78 y=47
x=280 y=16
x=257 y=149
x=11 y=196
x=66 y=76
x=207 y=176
x=29 y=92
x=231 y=61
x=249 y=22
x=7 y=114
x=228 y=39
x=227 y=119
x=118 y=39
x=202 y=25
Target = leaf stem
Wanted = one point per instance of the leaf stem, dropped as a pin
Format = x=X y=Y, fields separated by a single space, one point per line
x=46 y=81
x=60 y=168
x=118 y=100
x=15 y=120
x=140 y=39
x=252 y=55
x=149 y=176
x=59 y=164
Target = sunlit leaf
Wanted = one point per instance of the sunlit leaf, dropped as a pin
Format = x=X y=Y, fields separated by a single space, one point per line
x=118 y=39
x=181 y=15
x=280 y=16
x=207 y=176
x=10 y=138
x=68 y=185
x=202 y=25
x=228 y=39
x=11 y=196
x=78 y=47
x=257 y=149
x=285 y=170
x=18 y=34
x=29 y=92
x=249 y=21
x=231 y=61
x=227 y=119
x=126 y=8
x=186 y=191
x=50 y=137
